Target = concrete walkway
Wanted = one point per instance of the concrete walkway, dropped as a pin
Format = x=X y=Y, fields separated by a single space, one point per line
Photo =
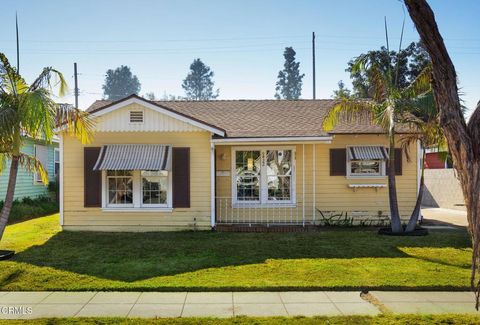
x=25 y=305
x=426 y=302
x=181 y=304
x=444 y=217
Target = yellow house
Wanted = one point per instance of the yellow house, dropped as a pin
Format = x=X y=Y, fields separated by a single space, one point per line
x=180 y=165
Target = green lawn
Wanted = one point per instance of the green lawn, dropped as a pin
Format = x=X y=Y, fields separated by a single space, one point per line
x=361 y=320
x=48 y=259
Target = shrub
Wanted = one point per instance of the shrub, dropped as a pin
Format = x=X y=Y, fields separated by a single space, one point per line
x=29 y=208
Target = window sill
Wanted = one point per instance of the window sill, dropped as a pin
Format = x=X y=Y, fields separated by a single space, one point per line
x=263 y=205
x=367 y=177
x=137 y=209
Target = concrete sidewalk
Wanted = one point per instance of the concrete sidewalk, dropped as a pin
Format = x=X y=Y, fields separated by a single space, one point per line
x=405 y=302
x=25 y=305
x=184 y=304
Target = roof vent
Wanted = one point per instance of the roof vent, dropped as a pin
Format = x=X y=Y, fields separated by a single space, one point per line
x=136 y=116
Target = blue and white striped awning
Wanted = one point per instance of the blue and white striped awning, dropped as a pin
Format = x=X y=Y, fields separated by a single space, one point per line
x=367 y=153
x=134 y=157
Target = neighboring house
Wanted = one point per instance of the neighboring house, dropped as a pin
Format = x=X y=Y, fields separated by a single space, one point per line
x=435 y=159
x=176 y=165
x=29 y=184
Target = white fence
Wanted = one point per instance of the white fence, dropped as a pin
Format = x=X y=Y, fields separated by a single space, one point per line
x=248 y=212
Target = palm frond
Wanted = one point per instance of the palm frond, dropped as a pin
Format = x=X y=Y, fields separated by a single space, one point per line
x=33 y=165
x=37 y=113
x=421 y=85
x=8 y=75
x=77 y=123
x=378 y=83
x=348 y=110
x=3 y=162
x=44 y=81
x=406 y=141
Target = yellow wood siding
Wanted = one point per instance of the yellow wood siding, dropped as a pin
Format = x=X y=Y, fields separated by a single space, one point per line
x=77 y=217
x=331 y=192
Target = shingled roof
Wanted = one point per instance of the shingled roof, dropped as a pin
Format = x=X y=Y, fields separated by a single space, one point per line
x=262 y=118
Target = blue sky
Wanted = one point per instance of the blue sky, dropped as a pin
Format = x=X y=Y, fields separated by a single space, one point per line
x=242 y=41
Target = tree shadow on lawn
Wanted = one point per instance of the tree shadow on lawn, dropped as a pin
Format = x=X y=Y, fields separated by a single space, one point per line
x=138 y=256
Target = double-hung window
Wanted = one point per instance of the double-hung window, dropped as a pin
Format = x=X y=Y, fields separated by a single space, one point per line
x=41 y=154
x=137 y=189
x=120 y=187
x=56 y=161
x=154 y=188
x=136 y=175
x=263 y=175
x=366 y=161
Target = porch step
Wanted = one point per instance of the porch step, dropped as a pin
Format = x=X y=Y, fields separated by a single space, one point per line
x=265 y=228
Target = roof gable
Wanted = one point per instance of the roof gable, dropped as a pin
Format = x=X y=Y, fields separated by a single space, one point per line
x=114 y=117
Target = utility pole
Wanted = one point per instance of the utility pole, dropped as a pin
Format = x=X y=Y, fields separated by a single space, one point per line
x=313 y=66
x=18 y=47
x=75 y=75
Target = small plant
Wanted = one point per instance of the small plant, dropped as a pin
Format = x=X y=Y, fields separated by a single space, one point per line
x=342 y=219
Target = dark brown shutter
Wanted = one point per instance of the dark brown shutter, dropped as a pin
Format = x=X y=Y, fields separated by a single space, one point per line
x=181 y=177
x=92 y=178
x=398 y=161
x=338 y=162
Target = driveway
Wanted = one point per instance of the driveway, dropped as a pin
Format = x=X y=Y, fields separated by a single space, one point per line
x=444 y=217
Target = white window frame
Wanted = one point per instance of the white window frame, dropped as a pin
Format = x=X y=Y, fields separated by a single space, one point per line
x=137 y=196
x=169 y=193
x=383 y=168
x=36 y=179
x=56 y=151
x=121 y=205
x=264 y=201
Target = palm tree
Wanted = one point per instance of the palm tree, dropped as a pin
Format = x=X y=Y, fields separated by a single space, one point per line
x=29 y=111
x=423 y=116
x=386 y=108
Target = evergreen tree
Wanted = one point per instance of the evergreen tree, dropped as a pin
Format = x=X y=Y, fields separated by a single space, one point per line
x=198 y=84
x=410 y=61
x=120 y=83
x=342 y=92
x=289 y=84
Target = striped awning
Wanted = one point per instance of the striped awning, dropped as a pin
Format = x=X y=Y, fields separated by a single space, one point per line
x=367 y=153
x=134 y=157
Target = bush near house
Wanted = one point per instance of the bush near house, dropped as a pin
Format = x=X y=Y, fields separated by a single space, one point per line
x=29 y=208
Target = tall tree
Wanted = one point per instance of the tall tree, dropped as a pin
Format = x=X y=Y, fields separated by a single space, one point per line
x=289 y=84
x=198 y=84
x=409 y=62
x=120 y=83
x=30 y=111
x=387 y=109
x=463 y=138
x=342 y=91
x=423 y=116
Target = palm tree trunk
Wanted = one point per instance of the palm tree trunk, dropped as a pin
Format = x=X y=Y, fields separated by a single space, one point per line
x=412 y=223
x=392 y=188
x=7 y=206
